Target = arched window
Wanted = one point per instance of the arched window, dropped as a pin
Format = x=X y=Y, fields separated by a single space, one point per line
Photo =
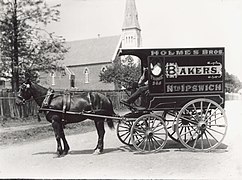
x=86 y=75
x=52 y=74
x=72 y=81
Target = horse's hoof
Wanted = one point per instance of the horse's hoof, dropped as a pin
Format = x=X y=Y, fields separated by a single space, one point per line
x=64 y=153
x=97 y=152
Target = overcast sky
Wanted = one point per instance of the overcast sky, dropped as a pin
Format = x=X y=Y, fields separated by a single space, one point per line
x=164 y=23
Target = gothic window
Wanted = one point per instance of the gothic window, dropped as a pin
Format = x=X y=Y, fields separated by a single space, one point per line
x=86 y=75
x=72 y=80
x=52 y=74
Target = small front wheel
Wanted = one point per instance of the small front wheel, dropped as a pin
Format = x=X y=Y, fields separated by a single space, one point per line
x=149 y=133
x=123 y=131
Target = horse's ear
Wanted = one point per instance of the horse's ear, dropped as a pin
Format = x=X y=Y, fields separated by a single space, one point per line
x=28 y=81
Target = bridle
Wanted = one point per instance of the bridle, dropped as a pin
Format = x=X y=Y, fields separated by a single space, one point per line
x=25 y=87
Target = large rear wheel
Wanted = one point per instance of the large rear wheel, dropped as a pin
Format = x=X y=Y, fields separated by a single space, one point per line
x=201 y=125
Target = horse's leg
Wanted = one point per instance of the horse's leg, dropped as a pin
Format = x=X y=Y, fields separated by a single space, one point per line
x=63 y=137
x=56 y=124
x=99 y=123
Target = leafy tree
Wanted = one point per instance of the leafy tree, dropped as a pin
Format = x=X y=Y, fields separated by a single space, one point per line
x=232 y=83
x=25 y=46
x=122 y=73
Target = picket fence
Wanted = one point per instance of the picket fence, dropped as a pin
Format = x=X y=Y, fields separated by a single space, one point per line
x=9 y=109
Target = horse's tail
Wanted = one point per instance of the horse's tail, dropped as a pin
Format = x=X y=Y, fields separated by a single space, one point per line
x=110 y=121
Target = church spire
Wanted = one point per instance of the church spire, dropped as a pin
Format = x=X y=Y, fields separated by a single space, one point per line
x=131 y=31
x=131 y=16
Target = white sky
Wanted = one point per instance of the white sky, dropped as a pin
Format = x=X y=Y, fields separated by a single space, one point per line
x=164 y=23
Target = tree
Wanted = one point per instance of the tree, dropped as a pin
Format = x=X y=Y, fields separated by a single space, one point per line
x=26 y=47
x=123 y=74
x=232 y=83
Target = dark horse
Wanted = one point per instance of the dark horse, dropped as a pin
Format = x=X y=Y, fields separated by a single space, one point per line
x=93 y=102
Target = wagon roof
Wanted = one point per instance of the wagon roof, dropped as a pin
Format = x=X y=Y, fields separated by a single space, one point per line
x=144 y=52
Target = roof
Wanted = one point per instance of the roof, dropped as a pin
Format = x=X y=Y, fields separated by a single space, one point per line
x=92 y=51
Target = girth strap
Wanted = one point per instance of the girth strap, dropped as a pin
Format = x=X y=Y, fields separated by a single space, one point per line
x=66 y=101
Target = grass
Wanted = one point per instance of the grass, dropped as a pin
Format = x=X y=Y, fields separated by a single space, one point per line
x=43 y=130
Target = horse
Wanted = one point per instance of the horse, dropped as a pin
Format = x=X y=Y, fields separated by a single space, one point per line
x=93 y=102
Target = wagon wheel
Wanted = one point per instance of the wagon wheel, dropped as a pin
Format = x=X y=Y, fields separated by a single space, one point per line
x=123 y=131
x=202 y=125
x=149 y=133
x=170 y=120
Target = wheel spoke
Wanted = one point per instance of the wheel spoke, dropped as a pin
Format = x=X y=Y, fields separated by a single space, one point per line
x=155 y=130
x=195 y=142
x=208 y=139
x=212 y=135
x=194 y=117
x=211 y=114
x=215 y=119
x=186 y=119
x=190 y=137
x=139 y=130
x=202 y=141
x=189 y=131
x=157 y=142
x=205 y=115
x=215 y=131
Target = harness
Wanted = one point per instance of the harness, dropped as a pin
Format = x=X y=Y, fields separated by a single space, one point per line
x=66 y=101
x=48 y=97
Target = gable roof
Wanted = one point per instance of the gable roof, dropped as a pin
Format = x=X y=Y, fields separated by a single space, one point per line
x=92 y=51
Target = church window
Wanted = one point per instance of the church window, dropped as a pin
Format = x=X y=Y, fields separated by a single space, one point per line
x=52 y=74
x=86 y=75
x=72 y=82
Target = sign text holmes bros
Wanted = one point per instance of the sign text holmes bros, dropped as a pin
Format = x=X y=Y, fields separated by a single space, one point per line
x=197 y=70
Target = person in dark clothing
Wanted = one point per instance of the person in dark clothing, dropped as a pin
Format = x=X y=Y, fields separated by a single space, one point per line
x=143 y=87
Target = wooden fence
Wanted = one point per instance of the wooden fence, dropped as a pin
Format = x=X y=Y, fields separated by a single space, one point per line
x=9 y=109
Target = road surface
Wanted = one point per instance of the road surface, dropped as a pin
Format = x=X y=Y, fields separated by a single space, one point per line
x=38 y=159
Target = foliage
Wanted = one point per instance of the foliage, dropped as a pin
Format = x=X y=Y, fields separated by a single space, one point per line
x=232 y=83
x=122 y=73
x=25 y=45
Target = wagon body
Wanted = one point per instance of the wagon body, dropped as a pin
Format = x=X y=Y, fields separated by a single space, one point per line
x=185 y=100
x=184 y=74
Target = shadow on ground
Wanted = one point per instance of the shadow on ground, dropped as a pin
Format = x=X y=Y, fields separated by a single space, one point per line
x=170 y=146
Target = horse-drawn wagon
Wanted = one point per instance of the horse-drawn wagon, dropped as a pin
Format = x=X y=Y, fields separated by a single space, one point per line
x=185 y=102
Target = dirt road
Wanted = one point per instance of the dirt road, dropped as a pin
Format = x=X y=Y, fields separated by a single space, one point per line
x=38 y=160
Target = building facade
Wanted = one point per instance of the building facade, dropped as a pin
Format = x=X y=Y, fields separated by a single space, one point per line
x=86 y=59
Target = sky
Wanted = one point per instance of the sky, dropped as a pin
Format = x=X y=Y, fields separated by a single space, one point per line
x=164 y=24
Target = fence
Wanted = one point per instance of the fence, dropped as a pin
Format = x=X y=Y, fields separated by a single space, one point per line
x=8 y=107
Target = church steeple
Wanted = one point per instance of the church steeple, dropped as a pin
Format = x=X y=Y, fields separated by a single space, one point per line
x=131 y=31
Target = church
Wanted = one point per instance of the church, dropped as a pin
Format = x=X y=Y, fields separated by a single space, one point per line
x=86 y=59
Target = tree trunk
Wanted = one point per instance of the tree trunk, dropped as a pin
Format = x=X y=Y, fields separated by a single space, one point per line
x=15 y=71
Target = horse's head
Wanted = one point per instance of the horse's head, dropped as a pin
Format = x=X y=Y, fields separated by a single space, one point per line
x=24 y=93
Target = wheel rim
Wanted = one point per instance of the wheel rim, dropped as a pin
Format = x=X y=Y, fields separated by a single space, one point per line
x=123 y=132
x=201 y=125
x=149 y=133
